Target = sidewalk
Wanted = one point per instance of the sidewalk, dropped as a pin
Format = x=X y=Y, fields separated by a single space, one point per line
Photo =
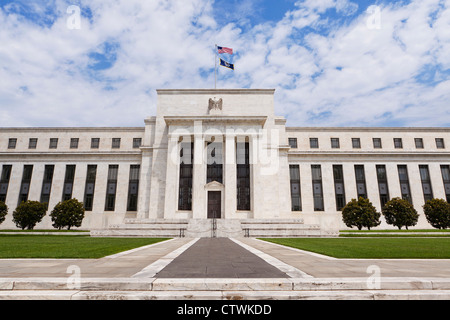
x=223 y=268
x=320 y=266
x=124 y=264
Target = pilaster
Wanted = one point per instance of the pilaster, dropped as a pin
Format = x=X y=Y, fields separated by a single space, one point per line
x=199 y=207
x=170 y=199
x=230 y=176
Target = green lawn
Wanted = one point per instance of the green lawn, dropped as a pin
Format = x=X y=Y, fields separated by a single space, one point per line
x=376 y=248
x=69 y=247
x=396 y=233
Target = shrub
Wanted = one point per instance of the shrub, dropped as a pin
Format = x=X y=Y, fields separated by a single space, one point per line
x=28 y=214
x=400 y=213
x=437 y=212
x=69 y=213
x=361 y=214
x=3 y=211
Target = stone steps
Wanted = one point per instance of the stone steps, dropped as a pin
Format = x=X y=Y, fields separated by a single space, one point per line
x=225 y=289
x=205 y=228
x=222 y=284
x=280 y=228
x=165 y=226
x=271 y=221
x=333 y=295
x=150 y=233
x=155 y=228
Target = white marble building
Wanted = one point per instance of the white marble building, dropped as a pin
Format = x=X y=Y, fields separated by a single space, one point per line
x=221 y=154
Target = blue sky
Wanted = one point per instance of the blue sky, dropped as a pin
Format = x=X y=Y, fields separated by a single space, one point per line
x=332 y=62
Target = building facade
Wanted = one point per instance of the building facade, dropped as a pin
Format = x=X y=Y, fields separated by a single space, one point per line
x=221 y=154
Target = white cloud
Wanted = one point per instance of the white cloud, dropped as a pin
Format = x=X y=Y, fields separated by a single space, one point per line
x=343 y=74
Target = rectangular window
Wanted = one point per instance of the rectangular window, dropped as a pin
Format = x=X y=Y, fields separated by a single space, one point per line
x=316 y=172
x=339 y=188
x=53 y=143
x=186 y=174
x=25 y=185
x=47 y=184
x=32 y=143
x=398 y=143
x=214 y=168
x=68 y=182
x=382 y=184
x=335 y=143
x=137 y=142
x=419 y=143
x=360 y=181
x=133 y=188
x=243 y=175
x=111 y=187
x=440 y=143
x=12 y=142
x=296 y=200
x=115 y=143
x=95 y=143
x=74 y=143
x=446 y=177
x=314 y=143
x=356 y=143
x=426 y=182
x=404 y=183
x=293 y=143
x=377 y=143
x=4 y=181
x=90 y=187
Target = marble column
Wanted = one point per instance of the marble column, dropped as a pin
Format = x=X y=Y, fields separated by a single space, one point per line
x=144 y=183
x=230 y=176
x=199 y=207
x=170 y=199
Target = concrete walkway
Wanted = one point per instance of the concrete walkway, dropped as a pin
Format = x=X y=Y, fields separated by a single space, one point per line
x=320 y=266
x=223 y=268
x=124 y=264
x=219 y=258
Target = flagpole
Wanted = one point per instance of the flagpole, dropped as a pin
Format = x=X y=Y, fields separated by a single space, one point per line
x=215 y=68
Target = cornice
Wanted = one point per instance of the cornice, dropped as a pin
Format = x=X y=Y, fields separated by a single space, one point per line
x=367 y=129
x=214 y=91
x=173 y=120
x=72 y=129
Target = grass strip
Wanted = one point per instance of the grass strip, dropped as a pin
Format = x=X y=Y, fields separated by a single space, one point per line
x=395 y=231
x=67 y=247
x=431 y=235
x=372 y=248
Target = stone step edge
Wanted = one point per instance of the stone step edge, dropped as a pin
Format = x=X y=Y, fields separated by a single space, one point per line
x=228 y=295
x=185 y=221
x=282 y=284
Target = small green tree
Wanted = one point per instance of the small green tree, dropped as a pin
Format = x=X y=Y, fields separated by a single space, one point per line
x=437 y=212
x=3 y=211
x=69 y=213
x=361 y=214
x=400 y=213
x=28 y=214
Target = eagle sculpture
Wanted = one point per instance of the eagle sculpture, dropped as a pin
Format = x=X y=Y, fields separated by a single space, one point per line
x=215 y=104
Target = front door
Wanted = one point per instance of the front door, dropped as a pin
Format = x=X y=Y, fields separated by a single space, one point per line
x=214 y=204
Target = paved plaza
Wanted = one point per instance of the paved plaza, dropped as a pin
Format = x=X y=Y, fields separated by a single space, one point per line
x=223 y=268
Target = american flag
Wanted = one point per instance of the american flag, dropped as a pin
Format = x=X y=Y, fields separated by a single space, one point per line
x=225 y=50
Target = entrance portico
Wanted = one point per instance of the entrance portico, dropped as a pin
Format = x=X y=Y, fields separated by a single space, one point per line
x=221 y=148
